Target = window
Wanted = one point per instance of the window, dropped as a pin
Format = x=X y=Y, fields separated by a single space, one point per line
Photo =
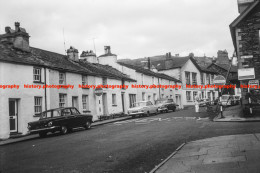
x=85 y=102
x=211 y=79
x=188 y=95
x=62 y=78
x=84 y=80
x=195 y=93
x=194 y=78
x=104 y=81
x=213 y=95
x=62 y=100
x=170 y=96
x=149 y=98
x=202 y=78
x=209 y=96
x=202 y=94
x=162 y=95
x=143 y=96
x=36 y=74
x=187 y=77
x=132 y=99
x=114 y=99
x=37 y=105
x=207 y=79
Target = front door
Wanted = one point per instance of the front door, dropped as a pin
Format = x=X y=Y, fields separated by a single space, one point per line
x=13 y=115
x=104 y=102
x=123 y=101
x=75 y=102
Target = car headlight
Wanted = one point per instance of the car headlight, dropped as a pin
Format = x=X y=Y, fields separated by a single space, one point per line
x=50 y=123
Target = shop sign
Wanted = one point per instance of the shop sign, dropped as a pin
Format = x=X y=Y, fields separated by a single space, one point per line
x=99 y=91
x=246 y=73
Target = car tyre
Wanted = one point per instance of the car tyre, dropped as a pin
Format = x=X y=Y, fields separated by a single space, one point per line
x=167 y=110
x=88 y=125
x=63 y=130
x=42 y=134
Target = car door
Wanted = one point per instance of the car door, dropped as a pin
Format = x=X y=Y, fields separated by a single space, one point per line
x=152 y=107
x=79 y=119
x=69 y=119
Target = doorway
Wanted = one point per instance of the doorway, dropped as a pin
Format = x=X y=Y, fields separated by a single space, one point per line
x=13 y=115
x=75 y=102
x=123 y=101
x=104 y=102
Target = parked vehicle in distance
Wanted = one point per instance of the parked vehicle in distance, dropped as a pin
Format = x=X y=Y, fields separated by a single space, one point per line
x=164 y=105
x=227 y=100
x=142 y=108
x=203 y=102
x=237 y=99
x=59 y=119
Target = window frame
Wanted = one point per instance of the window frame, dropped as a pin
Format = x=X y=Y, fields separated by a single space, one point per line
x=187 y=78
x=114 y=100
x=39 y=106
x=62 y=104
x=35 y=69
x=85 y=102
x=63 y=79
x=194 y=78
x=188 y=95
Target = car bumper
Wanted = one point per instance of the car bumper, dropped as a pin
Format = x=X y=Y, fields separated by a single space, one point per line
x=47 y=129
x=162 y=109
x=136 y=113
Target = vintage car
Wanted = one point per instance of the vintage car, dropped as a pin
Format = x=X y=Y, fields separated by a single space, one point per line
x=142 y=108
x=227 y=100
x=60 y=119
x=237 y=99
x=164 y=105
x=204 y=102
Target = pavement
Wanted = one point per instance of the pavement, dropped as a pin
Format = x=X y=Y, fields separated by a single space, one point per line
x=235 y=114
x=224 y=154
x=33 y=136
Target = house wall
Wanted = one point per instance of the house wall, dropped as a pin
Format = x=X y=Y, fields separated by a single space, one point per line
x=18 y=75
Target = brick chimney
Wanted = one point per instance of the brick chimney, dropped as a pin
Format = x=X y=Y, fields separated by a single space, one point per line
x=107 y=50
x=18 y=37
x=73 y=53
x=243 y=4
x=89 y=56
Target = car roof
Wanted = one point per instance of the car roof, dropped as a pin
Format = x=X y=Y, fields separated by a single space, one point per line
x=58 y=109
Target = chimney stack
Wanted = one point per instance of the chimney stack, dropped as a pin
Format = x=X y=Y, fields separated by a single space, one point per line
x=107 y=50
x=19 y=38
x=89 y=56
x=73 y=53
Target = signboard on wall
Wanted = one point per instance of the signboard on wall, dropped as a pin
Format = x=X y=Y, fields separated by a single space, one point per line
x=246 y=73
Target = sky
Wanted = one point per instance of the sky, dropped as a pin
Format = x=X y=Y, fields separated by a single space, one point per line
x=133 y=28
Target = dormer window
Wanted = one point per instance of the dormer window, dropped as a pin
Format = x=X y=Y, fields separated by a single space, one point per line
x=36 y=74
x=62 y=78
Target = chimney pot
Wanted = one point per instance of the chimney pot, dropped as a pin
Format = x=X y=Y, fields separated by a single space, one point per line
x=17 y=26
x=107 y=50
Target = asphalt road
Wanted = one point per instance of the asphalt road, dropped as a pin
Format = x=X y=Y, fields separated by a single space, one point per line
x=132 y=146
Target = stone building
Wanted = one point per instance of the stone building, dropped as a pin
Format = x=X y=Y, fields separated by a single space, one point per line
x=245 y=31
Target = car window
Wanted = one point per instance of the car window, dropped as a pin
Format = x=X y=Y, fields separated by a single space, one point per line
x=149 y=103
x=139 y=104
x=65 y=112
x=169 y=100
x=56 y=113
x=74 y=111
x=47 y=114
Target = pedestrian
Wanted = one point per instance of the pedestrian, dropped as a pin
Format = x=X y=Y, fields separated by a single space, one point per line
x=197 y=103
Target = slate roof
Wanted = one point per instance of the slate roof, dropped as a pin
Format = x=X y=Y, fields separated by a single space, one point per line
x=172 y=63
x=44 y=58
x=225 y=67
x=149 y=72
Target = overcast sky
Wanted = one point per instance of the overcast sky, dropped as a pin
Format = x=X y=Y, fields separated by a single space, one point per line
x=133 y=28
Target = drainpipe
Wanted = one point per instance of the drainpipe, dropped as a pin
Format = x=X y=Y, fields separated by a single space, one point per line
x=45 y=90
x=159 y=88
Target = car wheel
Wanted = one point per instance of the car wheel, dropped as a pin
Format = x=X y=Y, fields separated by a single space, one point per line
x=42 y=134
x=88 y=125
x=63 y=130
x=167 y=110
x=174 y=109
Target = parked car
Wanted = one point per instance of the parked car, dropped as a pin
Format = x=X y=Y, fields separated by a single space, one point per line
x=60 y=119
x=164 y=105
x=227 y=100
x=237 y=99
x=142 y=108
x=203 y=102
